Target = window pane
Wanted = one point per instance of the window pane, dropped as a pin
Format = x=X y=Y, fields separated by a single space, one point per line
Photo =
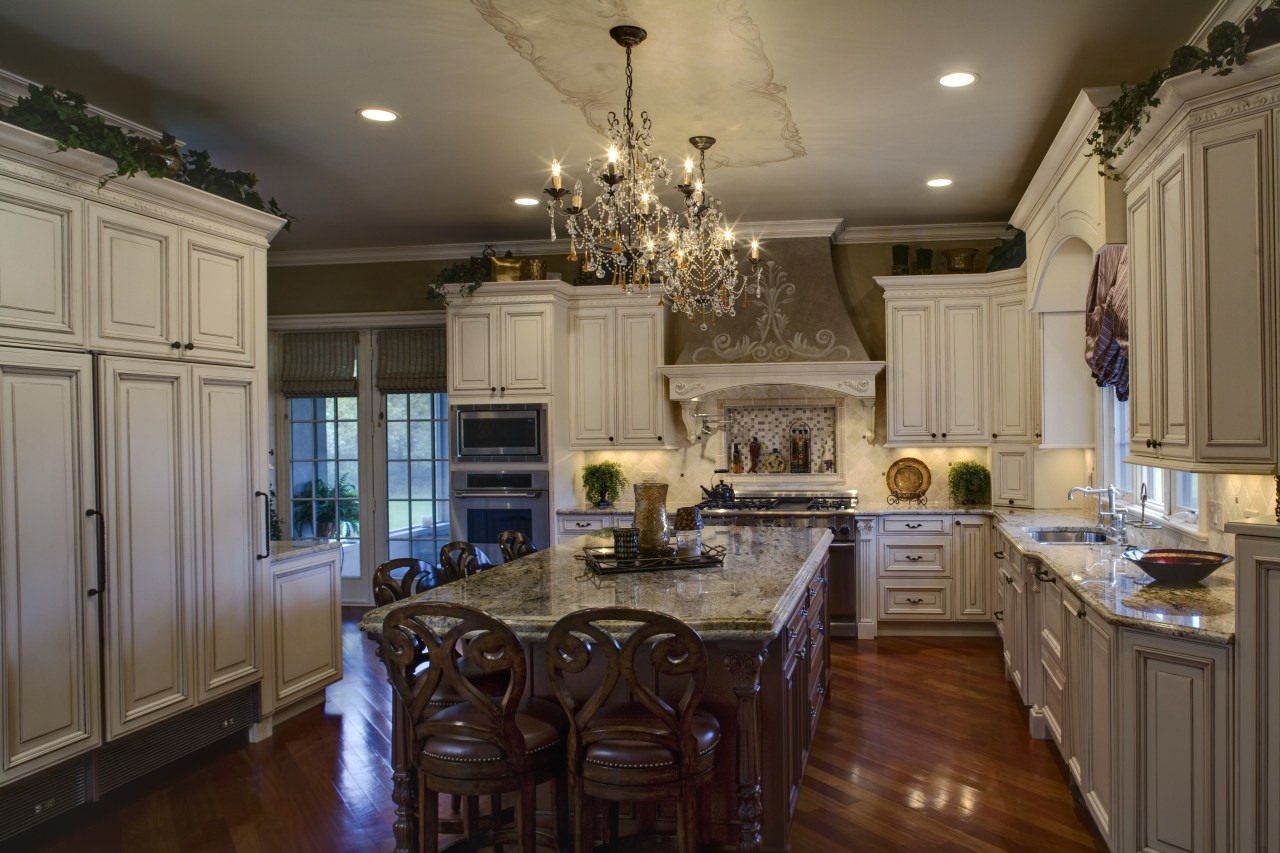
x=348 y=446
x=397 y=480
x=397 y=407
x=397 y=440
x=420 y=440
x=419 y=484
x=420 y=406
x=348 y=408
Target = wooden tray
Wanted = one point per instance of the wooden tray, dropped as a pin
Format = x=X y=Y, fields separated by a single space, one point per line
x=603 y=562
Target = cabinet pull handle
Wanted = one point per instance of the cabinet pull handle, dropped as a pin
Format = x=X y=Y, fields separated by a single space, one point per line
x=915 y=601
x=266 y=529
x=1043 y=576
x=999 y=555
x=582 y=524
x=915 y=558
x=176 y=345
x=100 y=531
x=1080 y=614
x=188 y=346
x=1008 y=579
x=791 y=634
x=915 y=526
x=1037 y=435
x=999 y=614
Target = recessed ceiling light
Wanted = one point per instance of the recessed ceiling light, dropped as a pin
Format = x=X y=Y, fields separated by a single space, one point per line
x=957 y=78
x=526 y=201
x=939 y=182
x=378 y=114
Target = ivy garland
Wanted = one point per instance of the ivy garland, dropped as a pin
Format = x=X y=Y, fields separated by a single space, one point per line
x=1226 y=47
x=64 y=117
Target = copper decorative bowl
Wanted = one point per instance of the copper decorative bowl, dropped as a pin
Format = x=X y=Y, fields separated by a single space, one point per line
x=1177 y=566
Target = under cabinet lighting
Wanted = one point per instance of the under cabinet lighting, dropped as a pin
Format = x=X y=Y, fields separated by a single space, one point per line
x=939 y=182
x=378 y=114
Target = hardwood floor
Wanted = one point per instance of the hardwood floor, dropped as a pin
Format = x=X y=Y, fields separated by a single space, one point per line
x=922 y=746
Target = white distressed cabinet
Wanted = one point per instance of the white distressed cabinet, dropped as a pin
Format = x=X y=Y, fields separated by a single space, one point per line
x=500 y=350
x=570 y=526
x=1010 y=612
x=933 y=568
x=1203 y=309
x=615 y=347
x=49 y=683
x=41 y=274
x=1257 y=686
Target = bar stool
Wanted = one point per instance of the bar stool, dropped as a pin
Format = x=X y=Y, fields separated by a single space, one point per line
x=659 y=744
x=514 y=544
x=484 y=744
x=390 y=584
x=459 y=559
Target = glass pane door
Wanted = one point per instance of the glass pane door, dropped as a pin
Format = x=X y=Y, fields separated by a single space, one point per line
x=417 y=430
x=324 y=471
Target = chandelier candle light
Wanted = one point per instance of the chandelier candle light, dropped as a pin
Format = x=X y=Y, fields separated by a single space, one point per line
x=629 y=235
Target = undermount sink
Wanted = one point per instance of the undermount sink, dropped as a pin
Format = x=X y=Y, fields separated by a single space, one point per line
x=1075 y=536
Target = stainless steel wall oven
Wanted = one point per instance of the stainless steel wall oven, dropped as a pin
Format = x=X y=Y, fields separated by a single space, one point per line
x=485 y=503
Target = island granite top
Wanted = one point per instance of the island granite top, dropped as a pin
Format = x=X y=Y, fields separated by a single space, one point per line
x=285 y=549
x=766 y=571
x=1120 y=591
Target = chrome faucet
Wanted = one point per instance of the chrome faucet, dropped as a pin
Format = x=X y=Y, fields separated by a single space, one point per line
x=1108 y=519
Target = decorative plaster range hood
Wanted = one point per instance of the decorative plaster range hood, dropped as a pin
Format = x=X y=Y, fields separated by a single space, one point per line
x=790 y=339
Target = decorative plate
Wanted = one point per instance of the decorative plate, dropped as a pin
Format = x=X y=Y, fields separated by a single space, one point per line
x=908 y=479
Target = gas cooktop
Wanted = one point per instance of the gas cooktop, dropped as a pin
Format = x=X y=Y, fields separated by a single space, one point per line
x=783 y=504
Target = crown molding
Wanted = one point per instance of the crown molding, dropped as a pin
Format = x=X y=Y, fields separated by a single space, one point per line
x=12 y=87
x=781 y=229
x=924 y=233
x=1224 y=10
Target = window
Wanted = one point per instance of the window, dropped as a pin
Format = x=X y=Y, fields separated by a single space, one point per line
x=1172 y=497
x=417 y=459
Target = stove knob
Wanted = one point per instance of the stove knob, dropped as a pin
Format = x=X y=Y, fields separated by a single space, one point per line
x=844 y=530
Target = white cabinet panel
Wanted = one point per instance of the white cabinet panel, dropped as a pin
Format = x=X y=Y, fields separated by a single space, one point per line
x=497 y=351
x=594 y=376
x=473 y=352
x=641 y=403
x=970 y=552
x=526 y=344
x=614 y=352
x=41 y=282
x=307 y=626
x=912 y=392
x=146 y=466
x=228 y=525
x=1011 y=475
x=1010 y=369
x=962 y=371
x=219 y=282
x=133 y=263
x=48 y=620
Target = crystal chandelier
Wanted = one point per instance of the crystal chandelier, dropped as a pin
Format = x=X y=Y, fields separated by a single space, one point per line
x=704 y=277
x=621 y=231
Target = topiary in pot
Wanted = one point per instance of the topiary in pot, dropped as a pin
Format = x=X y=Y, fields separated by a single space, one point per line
x=969 y=483
x=603 y=482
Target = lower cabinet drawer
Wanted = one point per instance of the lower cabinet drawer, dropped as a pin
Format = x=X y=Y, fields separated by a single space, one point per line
x=914 y=556
x=905 y=600
x=583 y=523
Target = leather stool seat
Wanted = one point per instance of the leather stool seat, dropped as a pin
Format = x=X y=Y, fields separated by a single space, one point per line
x=620 y=761
x=542 y=724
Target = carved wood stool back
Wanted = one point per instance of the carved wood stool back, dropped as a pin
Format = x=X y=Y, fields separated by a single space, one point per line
x=639 y=733
x=459 y=559
x=514 y=544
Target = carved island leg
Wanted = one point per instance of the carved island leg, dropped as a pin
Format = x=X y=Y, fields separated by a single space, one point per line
x=744 y=668
x=404 y=789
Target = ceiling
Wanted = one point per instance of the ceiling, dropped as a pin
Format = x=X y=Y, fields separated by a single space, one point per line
x=823 y=109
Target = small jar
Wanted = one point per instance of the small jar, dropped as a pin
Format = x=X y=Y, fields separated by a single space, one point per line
x=688 y=543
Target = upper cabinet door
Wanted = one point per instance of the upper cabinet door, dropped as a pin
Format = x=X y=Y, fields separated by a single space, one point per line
x=962 y=371
x=641 y=405
x=1142 y=315
x=41 y=283
x=473 y=348
x=136 y=302
x=218 y=279
x=1010 y=374
x=912 y=396
x=526 y=344
x=591 y=342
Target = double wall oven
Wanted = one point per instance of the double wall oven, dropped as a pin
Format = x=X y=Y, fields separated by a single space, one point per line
x=834 y=511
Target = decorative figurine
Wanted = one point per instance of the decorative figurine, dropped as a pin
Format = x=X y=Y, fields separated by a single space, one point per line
x=753 y=450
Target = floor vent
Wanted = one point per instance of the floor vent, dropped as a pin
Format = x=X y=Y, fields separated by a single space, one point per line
x=123 y=761
x=28 y=802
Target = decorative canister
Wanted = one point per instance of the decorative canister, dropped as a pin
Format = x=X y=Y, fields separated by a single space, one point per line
x=959 y=260
x=688 y=518
x=626 y=543
x=651 y=518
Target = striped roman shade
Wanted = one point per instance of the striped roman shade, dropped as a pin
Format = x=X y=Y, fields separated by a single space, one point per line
x=411 y=361
x=318 y=364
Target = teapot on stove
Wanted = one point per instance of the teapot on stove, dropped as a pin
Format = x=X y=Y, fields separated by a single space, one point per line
x=721 y=491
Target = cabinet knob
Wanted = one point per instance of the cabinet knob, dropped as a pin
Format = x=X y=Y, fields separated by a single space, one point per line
x=1008 y=579
x=502 y=390
x=933 y=435
x=944 y=435
x=1010 y=501
x=659 y=439
x=993 y=435
x=957 y=522
x=188 y=346
x=1037 y=435
x=176 y=345
x=999 y=555
x=493 y=389
x=610 y=439
x=999 y=614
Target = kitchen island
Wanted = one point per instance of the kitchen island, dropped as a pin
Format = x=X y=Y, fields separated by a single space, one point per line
x=763 y=616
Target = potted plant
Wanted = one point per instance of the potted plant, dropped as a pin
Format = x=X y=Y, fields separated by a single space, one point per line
x=603 y=482
x=465 y=273
x=332 y=516
x=969 y=483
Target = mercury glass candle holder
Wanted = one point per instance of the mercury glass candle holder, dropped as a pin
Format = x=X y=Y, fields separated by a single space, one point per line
x=651 y=518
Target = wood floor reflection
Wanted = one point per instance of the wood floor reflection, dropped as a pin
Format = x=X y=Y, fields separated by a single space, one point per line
x=922 y=746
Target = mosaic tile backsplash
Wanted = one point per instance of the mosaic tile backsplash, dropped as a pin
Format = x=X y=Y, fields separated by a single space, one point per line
x=793 y=439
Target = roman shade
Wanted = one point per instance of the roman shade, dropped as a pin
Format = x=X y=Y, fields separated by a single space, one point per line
x=318 y=364
x=411 y=361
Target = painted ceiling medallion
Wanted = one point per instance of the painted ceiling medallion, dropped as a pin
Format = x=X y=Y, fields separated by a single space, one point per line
x=733 y=86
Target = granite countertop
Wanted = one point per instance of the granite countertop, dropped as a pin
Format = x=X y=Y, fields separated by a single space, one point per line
x=1118 y=590
x=766 y=571
x=281 y=550
x=618 y=508
x=865 y=507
